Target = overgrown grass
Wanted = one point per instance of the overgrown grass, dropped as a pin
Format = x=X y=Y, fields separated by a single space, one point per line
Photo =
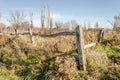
x=56 y=59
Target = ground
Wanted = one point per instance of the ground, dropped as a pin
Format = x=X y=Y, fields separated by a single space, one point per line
x=56 y=58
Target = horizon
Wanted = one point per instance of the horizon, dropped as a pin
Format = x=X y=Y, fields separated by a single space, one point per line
x=83 y=11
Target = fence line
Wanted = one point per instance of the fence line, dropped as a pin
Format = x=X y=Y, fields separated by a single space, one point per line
x=79 y=41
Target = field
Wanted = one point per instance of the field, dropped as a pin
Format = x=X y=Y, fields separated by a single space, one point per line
x=56 y=58
x=59 y=40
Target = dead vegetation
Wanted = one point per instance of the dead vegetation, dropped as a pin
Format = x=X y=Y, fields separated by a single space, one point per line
x=56 y=58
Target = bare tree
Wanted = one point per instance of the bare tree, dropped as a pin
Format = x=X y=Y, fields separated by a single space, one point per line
x=0 y=22
x=116 y=23
x=51 y=25
x=0 y=15
x=31 y=20
x=43 y=16
x=16 y=19
x=89 y=25
x=74 y=24
x=67 y=25
x=85 y=27
x=117 y=19
x=31 y=28
x=49 y=17
x=25 y=26
x=58 y=25
x=115 y=26
x=96 y=25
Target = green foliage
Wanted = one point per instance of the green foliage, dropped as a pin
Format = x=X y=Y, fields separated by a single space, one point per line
x=109 y=50
x=7 y=75
x=112 y=73
x=31 y=60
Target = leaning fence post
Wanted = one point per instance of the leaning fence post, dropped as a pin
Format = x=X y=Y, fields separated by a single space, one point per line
x=80 y=46
x=101 y=35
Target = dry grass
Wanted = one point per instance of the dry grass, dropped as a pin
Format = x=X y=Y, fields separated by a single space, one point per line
x=97 y=63
x=54 y=58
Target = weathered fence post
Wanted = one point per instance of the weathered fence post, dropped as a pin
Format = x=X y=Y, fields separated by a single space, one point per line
x=80 y=46
x=101 y=35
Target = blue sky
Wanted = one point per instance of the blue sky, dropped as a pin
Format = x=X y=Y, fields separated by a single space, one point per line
x=64 y=10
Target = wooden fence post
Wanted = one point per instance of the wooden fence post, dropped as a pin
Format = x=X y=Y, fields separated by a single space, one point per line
x=101 y=35
x=80 y=46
